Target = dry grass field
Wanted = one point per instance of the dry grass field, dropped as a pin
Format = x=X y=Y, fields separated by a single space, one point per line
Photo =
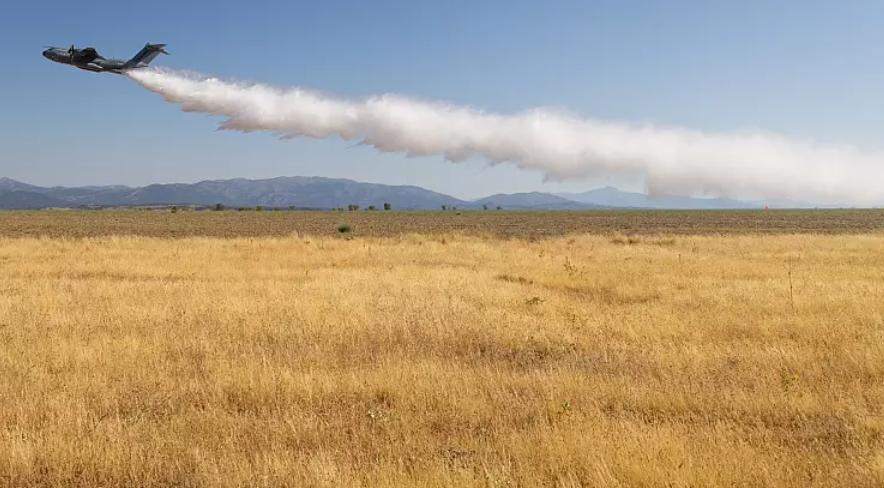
x=442 y=360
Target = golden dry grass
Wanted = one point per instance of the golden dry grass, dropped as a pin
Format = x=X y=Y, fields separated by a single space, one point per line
x=442 y=361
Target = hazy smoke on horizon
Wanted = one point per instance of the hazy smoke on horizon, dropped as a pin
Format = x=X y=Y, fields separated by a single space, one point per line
x=673 y=160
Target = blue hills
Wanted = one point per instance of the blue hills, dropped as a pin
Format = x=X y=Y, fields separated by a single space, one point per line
x=324 y=193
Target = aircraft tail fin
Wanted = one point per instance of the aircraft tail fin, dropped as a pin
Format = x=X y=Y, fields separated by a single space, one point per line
x=145 y=56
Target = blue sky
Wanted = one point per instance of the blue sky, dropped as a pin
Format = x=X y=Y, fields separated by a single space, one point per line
x=809 y=70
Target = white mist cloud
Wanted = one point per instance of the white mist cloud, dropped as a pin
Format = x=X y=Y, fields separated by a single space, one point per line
x=673 y=160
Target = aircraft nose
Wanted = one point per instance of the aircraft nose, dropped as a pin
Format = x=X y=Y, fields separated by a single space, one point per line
x=46 y=53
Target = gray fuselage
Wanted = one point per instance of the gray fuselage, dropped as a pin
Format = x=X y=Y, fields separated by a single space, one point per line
x=89 y=59
x=84 y=60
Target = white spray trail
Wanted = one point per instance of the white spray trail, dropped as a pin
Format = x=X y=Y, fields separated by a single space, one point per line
x=673 y=160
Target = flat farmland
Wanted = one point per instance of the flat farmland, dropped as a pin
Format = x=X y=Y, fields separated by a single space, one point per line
x=428 y=349
x=517 y=224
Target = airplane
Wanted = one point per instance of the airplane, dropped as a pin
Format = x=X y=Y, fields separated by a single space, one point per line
x=89 y=59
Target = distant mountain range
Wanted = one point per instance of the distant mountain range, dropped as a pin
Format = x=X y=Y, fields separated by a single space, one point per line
x=319 y=193
x=533 y=200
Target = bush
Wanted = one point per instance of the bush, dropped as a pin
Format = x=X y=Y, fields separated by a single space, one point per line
x=387 y=206
x=219 y=207
x=344 y=229
x=371 y=207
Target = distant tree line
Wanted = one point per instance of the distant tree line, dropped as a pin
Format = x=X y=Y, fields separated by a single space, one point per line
x=258 y=208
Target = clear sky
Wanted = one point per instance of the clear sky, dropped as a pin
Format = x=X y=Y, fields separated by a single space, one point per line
x=807 y=69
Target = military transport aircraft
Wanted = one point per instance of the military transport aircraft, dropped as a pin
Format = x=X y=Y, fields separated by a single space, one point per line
x=89 y=59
